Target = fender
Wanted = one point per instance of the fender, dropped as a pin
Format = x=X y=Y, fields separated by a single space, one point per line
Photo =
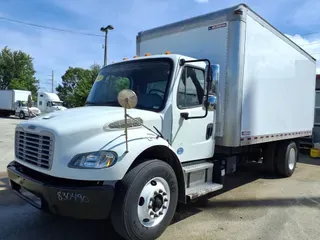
x=138 y=142
x=150 y=147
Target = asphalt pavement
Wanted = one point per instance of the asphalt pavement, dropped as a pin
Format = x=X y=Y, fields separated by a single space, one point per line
x=7 y=126
x=253 y=206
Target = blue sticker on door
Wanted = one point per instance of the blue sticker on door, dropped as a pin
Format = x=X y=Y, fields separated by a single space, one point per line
x=180 y=151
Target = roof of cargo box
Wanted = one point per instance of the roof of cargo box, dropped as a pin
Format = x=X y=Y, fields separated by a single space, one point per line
x=227 y=14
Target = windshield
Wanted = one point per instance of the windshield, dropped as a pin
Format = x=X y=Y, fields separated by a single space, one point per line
x=147 y=78
x=56 y=103
x=23 y=103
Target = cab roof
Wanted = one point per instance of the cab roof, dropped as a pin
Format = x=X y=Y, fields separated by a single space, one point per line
x=174 y=57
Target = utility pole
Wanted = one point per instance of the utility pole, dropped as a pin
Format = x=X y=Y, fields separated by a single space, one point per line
x=52 y=79
x=105 y=30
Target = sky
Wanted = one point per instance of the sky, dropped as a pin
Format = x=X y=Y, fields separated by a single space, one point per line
x=56 y=51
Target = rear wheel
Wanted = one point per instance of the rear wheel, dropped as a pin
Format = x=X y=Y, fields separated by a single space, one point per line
x=287 y=158
x=145 y=201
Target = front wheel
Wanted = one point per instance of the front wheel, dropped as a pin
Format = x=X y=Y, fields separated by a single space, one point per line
x=22 y=115
x=145 y=201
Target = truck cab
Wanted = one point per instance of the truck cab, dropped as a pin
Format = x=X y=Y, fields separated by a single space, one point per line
x=49 y=102
x=22 y=110
x=78 y=169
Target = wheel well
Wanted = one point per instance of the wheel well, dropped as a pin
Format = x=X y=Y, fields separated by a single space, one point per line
x=165 y=154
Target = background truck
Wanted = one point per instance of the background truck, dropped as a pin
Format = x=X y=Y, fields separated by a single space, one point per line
x=233 y=89
x=49 y=102
x=14 y=102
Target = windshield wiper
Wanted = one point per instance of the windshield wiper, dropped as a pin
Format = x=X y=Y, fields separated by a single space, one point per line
x=160 y=134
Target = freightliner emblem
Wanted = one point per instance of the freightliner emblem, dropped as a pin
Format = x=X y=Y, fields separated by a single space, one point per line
x=32 y=127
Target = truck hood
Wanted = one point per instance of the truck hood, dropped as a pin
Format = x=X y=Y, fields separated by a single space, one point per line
x=32 y=109
x=90 y=120
x=59 y=108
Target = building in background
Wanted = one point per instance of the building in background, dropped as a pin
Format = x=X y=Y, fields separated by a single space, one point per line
x=316 y=130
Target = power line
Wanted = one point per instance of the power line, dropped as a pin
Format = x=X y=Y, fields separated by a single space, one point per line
x=50 y=28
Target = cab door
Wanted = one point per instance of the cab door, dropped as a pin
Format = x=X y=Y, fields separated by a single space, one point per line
x=192 y=139
x=17 y=105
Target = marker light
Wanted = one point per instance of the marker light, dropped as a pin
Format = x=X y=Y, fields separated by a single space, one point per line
x=147 y=54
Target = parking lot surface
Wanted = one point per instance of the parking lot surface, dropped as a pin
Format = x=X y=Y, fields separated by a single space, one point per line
x=7 y=126
x=253 y=206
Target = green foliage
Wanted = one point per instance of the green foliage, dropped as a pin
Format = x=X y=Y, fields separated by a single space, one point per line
x=76 y=85
x=121 y=83
x=17 y=71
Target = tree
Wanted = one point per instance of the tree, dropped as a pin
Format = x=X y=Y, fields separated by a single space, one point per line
x=17 y=71
x=95 y=69
x=121 y=83
x=76 y=85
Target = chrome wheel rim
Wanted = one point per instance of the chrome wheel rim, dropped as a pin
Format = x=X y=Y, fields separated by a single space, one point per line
x=292 y=158
x=153 y=202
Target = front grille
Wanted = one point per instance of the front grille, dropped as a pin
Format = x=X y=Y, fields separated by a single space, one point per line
x=34 y=148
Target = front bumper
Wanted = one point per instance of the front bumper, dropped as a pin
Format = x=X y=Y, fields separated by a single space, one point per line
x=71 y=198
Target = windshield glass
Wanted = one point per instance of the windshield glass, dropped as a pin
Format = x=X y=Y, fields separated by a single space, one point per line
x=23 y=103
x=147 y=78
x=56 y=103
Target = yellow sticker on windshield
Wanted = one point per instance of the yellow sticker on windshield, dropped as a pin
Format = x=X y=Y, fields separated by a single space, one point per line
x=99 y=78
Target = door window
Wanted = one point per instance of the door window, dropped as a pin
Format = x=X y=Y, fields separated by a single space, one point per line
x=191 y=88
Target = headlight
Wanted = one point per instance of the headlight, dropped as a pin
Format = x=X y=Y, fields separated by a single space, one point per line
x=95 y=160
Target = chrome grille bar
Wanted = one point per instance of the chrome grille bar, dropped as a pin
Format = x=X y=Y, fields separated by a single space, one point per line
x=34 y=148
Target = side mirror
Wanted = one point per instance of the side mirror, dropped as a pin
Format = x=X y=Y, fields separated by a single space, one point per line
x=208 y=77
x=211 y=103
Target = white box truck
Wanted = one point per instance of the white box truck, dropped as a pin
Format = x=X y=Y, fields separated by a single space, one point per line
x=14 y=102
x=233 y=89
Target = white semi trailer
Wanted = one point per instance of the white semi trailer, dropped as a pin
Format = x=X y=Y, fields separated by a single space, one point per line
x=186 y=132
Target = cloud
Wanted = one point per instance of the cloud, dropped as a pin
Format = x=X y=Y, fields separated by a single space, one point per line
x=201 y=1
x=311 y=45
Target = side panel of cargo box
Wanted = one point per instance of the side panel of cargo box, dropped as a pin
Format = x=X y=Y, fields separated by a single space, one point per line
x=278 y=86
x=218 y=36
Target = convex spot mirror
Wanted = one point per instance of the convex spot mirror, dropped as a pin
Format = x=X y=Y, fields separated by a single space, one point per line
x=127 y=98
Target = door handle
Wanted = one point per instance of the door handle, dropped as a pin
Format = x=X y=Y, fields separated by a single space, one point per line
x=209 y=131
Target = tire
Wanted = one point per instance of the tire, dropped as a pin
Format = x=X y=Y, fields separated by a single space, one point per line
x=287 y=158
x=136 y=183
x=22 y=115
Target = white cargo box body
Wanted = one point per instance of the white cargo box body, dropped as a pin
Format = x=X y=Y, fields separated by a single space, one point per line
x=6 y=98
x=9 y=97
x=266 y=85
